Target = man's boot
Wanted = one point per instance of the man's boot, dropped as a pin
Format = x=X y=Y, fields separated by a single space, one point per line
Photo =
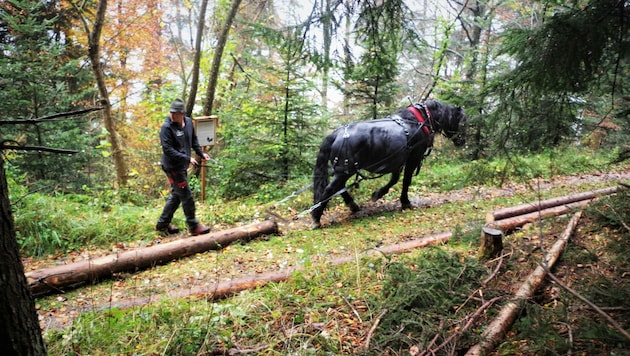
x=200 y=230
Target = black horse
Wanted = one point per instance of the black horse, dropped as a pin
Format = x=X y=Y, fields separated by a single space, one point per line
x=382 y=146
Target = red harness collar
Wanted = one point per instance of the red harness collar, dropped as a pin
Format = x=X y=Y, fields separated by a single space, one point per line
x=421 y=119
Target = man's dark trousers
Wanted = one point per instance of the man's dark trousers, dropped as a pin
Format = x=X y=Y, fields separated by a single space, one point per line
x=180 y=193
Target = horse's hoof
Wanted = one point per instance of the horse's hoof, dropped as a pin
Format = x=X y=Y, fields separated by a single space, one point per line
x=354 y=207
x=316 y=225
x=407 y=206
x=376 y=196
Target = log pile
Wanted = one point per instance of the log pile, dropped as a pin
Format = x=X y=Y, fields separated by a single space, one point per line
x=506 y=220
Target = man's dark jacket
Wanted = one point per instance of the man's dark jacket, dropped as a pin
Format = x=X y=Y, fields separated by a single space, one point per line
x=177 y=143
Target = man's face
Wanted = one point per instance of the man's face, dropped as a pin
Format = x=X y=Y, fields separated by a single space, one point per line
x=177 y=117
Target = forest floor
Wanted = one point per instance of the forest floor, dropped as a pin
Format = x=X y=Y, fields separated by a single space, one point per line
x=58 y=311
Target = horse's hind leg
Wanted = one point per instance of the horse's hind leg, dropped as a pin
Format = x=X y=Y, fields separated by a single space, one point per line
x=337 y=184
x=378 y=194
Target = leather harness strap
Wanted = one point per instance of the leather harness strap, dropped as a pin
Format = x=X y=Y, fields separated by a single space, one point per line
x=425 y=125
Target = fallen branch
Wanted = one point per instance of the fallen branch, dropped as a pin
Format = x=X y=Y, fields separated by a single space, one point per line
x=600 y=311
x=468 y=324
x=497 y=329
x=373 y=328
x=55 y=279
x=495 y=271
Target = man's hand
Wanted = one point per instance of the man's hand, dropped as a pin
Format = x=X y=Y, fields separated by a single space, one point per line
x=193 y=161
x=206 y=157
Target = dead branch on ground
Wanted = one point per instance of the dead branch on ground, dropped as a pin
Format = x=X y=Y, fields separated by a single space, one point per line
x=497 y=329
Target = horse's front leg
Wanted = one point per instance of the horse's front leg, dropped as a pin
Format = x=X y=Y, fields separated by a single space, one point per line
x=347 y=198
x=378 y=194
x=404 y=194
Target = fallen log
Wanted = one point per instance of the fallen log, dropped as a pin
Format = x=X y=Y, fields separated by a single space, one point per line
x=509 y=224
x=55 y=279
x=549 y=203
x=496 y=331
x=224 y=289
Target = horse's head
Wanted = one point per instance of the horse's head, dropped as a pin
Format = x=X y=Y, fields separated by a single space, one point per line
x=459 y=118
x=452 y=122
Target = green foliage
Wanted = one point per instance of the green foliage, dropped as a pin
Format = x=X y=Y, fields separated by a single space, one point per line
x=47 y=225
x=536 y=325
x=565 y=80
x=613 y=212
x=371 y=81
x=40 y=75
x=569 y=49
x=270 y=140
x=523 y=168
x=180 y=329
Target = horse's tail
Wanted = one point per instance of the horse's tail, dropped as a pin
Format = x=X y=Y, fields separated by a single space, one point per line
x=320 y=172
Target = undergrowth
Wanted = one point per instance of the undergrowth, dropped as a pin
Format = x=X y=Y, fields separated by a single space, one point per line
x=595 y=265
x=427 y=298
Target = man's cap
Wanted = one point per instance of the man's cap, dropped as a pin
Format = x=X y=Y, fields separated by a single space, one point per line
x=177 y=106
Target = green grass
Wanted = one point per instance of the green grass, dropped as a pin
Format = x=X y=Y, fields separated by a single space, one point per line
x=48 y=225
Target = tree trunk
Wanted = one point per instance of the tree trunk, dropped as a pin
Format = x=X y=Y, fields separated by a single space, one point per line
x=347 y=56
x=216 y=59
x=327 y=34
x=190 y=104
x=94 y=38
x=51 y=280
x=493 y=335
x=19 y=326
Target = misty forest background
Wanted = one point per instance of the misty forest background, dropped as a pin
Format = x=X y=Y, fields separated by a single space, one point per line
x=533 y=76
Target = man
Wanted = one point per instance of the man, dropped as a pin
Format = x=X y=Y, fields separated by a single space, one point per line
x=178 y=137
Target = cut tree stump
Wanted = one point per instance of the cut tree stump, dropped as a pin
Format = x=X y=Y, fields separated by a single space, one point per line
x=498 y=328
x=55 y=279
x=491 y=243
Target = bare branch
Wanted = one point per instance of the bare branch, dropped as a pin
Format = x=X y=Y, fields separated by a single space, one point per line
x=609 y=319
x=48 y=118
x=36 y=148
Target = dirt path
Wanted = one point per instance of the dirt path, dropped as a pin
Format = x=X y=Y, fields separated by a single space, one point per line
x=60 y=310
